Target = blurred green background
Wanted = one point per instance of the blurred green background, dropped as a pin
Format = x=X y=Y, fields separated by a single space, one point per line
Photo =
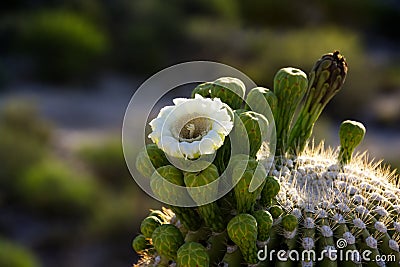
x=69 y=68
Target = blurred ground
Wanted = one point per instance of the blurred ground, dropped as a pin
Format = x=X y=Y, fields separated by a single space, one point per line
x=69 y=68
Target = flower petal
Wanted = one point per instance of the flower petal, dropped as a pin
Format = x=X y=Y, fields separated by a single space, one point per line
x=170 y=146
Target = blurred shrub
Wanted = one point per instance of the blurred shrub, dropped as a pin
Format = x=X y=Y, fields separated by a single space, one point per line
x=146 y=34
x=64 y=45
x=114 y=217
x=13 y=255
x=261 y=53
x=21 y=116
x=107 y=162
x=53 y=188
x=24 y=141
x=121 y=214
x=365 y=16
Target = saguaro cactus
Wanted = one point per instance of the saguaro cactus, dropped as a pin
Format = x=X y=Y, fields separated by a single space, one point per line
x=310 y=199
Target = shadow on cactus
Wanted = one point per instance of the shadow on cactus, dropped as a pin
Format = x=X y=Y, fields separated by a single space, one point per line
x=315 y=206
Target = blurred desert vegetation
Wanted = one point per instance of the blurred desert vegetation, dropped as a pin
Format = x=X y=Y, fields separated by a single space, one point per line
x=68 y=69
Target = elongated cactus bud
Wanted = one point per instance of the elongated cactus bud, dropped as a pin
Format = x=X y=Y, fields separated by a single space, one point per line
x=242 y=230
x=243 y=175
x=192 y=254
x=202 y=89
x=166 y=240
x=270 y=190
x=230 y=90
x=140 y=243
x=249 y=132
x=149 y=159
x=351 y=134
x=261 y=100
x=264 y=224
x=210 y=213
x=326 y=79
x=160 y=183
x=148 y=225
x=290 y=85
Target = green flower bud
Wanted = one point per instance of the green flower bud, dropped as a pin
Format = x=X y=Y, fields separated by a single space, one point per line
x=243 y=175
x=166 y=240
x=160 y=183
x=210 y=213
x=149 y=159
x=264 y=223
x=270 y=190
x=290 y=85
x=230 y=90
x=261 y=100
x=289 y=222
x=203 y=89
x=249 y=132
x=275 y=211
x=326 y=79
x=140 y=243
x=351 y=134
x=192 y=254
x=149 y=224
x=242 y=230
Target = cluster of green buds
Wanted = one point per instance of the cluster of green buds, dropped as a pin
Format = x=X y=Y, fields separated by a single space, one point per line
x=240 y=208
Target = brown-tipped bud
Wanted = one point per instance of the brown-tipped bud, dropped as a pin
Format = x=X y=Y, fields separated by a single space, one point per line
x=325 y=81
x=327 y=77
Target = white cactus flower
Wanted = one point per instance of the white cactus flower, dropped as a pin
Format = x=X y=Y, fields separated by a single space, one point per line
x=192 y=127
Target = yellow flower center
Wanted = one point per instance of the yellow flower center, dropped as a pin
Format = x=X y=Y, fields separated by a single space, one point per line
x=194 y=129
